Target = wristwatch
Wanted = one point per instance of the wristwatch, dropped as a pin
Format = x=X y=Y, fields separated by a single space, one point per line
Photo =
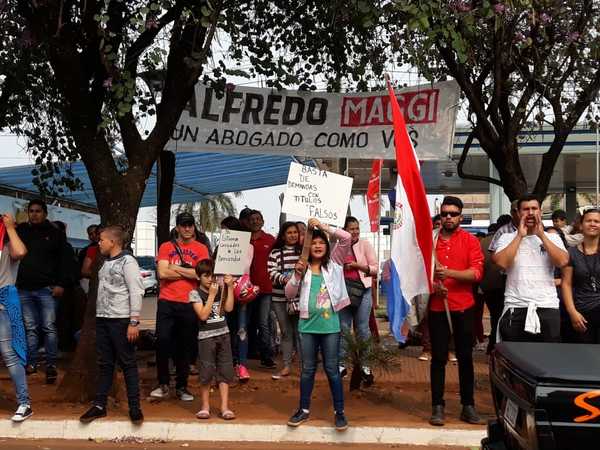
x=134 y=323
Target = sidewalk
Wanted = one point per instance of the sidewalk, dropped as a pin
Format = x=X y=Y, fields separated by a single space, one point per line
x=394 y=410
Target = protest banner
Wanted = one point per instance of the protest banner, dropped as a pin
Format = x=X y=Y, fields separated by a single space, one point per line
x=316 y=124
x=312 y=192
x=233 y=252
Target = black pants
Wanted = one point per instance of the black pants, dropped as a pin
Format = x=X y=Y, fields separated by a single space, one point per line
x=512 y=325
x=112 y=346
x=592 y=333
x=176 y=326
x=439 y=330
x=494 y=300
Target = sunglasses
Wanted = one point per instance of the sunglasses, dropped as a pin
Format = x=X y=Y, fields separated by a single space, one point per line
x=450 y=213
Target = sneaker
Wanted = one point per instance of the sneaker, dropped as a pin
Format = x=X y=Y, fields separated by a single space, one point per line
x=285 y=372
x=193 y=370
x=367 y=376
x=268 y=363
x=425 y=356
x=95 y=412
x=30 y=369
x=51 y=374
x=22 y=413
x=452 y=357
x=343 y=372
x=243 y=373
x=341 y=423
x=136 y=416
x=481 y=347
x=298 y=418
x=161 y=391
x=184 y=395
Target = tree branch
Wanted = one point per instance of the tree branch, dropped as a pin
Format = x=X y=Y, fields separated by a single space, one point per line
x=463 y=157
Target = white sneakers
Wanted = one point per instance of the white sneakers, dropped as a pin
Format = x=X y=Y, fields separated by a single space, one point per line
x=22 y=413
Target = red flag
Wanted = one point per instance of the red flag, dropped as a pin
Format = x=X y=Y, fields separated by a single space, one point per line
x=2 y=233
x=414 y=224
x=373 y=195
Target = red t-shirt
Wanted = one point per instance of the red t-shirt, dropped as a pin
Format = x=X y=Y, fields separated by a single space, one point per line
x=193 y=253
x=461 y=252
x=92 y=252
x=351 y=274
x=259 y=275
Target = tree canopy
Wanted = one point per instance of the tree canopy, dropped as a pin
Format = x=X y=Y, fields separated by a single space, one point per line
x=106 y=81
x=519 y=63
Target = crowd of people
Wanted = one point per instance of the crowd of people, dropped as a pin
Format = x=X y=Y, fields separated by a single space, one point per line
x=538 y=283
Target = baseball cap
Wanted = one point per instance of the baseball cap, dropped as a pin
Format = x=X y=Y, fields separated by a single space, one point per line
x=185 y=218
x=245 y=213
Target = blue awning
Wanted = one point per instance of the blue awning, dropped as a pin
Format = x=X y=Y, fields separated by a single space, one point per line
x=196 y=175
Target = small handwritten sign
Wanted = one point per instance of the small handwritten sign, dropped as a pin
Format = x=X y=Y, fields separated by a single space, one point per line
x=233 y=252
x=312 y=192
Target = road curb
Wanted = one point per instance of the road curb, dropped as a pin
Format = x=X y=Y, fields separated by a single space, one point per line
x=178 y=431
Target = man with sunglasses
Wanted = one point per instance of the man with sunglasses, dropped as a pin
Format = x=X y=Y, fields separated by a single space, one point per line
x=458 y=264
x=529 y=256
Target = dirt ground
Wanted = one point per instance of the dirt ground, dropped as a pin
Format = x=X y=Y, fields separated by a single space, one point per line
x=50 y=444
x=398 y=399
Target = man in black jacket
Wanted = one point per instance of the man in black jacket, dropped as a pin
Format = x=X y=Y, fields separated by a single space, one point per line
x=40 y=281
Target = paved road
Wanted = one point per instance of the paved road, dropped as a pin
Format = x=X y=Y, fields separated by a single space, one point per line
x=148 y=316
x=46 y=444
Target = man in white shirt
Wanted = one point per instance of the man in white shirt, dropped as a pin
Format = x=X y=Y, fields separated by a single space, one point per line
x=529 y=256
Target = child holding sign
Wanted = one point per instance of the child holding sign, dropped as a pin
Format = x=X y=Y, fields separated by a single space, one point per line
x=320 y=284
x=214 y=344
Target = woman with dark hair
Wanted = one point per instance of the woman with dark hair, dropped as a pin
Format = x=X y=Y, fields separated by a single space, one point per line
x=319 y=284
x=281 y=263
x=359 y=267
x=581 y=282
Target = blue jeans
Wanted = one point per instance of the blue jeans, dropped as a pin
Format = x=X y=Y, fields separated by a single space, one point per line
x=39 y=314
x=360 y=317
x=242 y=335
x=11 y=360
x=330 y=349
x=263 y=303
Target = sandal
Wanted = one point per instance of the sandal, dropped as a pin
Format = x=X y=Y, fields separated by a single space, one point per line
x=203 y=414
x=227 y=415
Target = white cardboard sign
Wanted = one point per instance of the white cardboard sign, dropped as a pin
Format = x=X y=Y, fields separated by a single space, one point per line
x=312 y=192
x=233 y=252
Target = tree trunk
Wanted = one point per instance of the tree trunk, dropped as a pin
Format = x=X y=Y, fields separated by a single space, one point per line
x=120 y=196
x=355 y=378
x=77 y=385
x=511 y=172
x=166 y=176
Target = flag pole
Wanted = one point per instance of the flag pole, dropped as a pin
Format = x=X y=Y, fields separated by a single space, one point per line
x=378 y=240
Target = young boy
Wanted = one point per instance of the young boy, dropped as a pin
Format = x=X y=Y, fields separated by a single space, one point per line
x=118 y=305
x=214 y=344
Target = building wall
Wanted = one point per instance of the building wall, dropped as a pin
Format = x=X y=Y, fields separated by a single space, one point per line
x=144 y=239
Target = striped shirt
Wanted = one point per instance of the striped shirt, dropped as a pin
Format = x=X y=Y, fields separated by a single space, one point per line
x=280 y=266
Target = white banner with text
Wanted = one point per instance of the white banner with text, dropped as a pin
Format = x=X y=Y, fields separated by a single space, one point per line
x=316 y=124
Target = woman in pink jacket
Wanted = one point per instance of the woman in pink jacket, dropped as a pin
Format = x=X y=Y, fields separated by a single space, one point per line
x=319 y=285
x=360 y=266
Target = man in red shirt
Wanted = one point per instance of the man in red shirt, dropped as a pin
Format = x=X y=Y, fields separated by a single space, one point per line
x=263 y=244
x=175 y=317
x=458 y=265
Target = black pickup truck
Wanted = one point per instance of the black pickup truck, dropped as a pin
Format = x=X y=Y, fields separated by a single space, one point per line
x=546 y=396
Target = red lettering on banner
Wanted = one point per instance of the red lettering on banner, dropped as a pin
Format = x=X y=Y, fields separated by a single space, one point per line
x=419 y=107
